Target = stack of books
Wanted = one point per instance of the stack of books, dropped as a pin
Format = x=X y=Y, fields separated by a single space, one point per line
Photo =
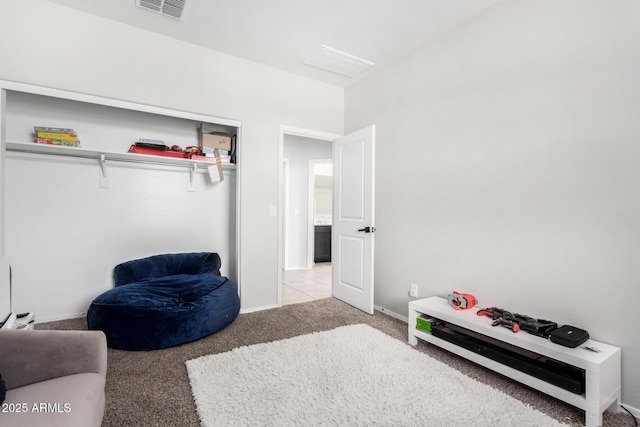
x=56 y=136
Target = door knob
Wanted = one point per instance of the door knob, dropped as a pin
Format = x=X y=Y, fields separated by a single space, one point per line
x=368 y=229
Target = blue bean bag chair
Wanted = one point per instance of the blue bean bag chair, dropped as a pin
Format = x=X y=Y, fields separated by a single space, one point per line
x=165 y=300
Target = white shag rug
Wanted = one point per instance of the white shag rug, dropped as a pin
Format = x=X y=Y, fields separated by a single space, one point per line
x=349 y=376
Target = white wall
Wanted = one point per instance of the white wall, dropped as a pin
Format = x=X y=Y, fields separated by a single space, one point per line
x=2 y=170
x=5 y=288
x=64 y=249
x=299 y=150
x=507 y=167
x=101 y=57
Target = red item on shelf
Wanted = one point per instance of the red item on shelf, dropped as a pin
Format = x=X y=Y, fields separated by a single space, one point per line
x=158 y=152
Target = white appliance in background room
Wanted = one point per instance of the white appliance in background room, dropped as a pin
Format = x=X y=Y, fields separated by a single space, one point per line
x=323 y=192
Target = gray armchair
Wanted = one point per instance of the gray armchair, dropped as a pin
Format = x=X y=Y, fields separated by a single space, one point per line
x=53 y=378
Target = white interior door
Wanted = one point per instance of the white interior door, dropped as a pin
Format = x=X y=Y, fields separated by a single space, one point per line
x=353 y=219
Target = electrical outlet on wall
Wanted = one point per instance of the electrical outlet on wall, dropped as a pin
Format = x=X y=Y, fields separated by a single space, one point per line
x=413 y=291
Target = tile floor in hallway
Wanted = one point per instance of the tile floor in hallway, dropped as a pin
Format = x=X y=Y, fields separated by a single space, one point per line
x=306 y=285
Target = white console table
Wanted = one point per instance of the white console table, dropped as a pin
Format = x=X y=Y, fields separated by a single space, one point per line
x=602 y=370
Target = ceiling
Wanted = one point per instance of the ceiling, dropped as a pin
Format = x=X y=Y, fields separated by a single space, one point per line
x=283 y=33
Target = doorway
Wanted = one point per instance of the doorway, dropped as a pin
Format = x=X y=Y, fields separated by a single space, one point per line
x=306 y=215
x=313 y=281
x=353 y=223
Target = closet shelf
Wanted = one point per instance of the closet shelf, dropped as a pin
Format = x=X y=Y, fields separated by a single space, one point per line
x=57 y=150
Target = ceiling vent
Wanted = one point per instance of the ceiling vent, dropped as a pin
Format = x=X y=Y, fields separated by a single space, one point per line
x=172 y=8
x=336 y=61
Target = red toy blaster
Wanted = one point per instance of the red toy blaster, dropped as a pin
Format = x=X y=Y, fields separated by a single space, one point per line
x=462 y=301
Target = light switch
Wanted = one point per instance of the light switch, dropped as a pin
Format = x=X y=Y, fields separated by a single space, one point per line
x=273 y=211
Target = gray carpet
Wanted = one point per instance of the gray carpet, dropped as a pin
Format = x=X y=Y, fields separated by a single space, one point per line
x=152 y=388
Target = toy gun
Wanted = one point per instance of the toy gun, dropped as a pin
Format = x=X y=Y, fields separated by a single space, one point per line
x=501 y=317
x=460 y=301
x=539 y=327
x=516 y=321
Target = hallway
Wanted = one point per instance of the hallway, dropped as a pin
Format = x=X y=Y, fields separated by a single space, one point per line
x=306 y=285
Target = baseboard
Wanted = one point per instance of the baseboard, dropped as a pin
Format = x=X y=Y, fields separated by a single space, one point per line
x=391 y=313
x=58 y=317
x=634 y=411
x=252 y=309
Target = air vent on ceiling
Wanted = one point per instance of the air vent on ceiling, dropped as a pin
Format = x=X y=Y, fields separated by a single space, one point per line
x=336 y=61
x=172 y=8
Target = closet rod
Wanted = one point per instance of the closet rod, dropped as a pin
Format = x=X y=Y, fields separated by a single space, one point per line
x=117 y=157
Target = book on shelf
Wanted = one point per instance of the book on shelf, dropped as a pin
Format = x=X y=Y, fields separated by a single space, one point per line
x=54 y=130
x=58 y=134
x=56 y=142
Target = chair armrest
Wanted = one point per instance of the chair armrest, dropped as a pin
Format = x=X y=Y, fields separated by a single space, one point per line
x=30 y=356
